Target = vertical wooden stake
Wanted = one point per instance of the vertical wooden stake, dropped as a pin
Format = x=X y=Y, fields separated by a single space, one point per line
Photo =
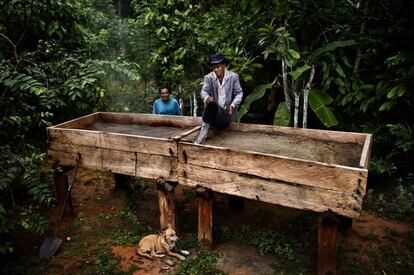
x=205 y=218
x=121 y=181
x=327 y=231
x=166 y=198
x=61 y=186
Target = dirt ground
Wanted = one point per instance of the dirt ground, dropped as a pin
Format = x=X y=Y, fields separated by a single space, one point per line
x=99 y=238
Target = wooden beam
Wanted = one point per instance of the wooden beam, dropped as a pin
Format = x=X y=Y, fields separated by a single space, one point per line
x=327 y=254
x=337 y=136
x=116 y=161
x=271 y=191
x=205 y=218
x=61 y=186
x=166 y=204
x=151 y=119
x=301 y=172
x=78 y=123
x=114 y=141
x=366 y=152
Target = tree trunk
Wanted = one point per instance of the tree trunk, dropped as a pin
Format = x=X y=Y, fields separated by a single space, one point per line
x=361 y=32
x=305 y=98
x=191 y=106
x=286 y=85
x=195 y=104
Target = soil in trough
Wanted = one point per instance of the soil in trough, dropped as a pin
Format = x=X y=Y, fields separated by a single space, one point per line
x=347 y=154
x=137 y=129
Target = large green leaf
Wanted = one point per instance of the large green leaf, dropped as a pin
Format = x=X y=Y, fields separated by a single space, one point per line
x=282 y=115
x=299 y=71
x=257 y=94
x=332 y=46
x=318 y=103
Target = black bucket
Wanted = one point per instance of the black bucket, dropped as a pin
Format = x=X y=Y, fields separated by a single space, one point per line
x=216 y=116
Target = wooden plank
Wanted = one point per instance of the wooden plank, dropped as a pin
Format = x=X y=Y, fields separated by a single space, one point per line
x=337 y=136
x=205 y=218
x=271 y=191
x=151 y=119
x=116 y=141
x=366 y=152
x=186 y=133
x=167 y=209
x=61 y=187
x=327 y=232
x=123 y=162
x=78 y=123
x=295 y=171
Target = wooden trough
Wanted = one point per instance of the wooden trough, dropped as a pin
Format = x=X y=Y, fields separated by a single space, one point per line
x=316 y=170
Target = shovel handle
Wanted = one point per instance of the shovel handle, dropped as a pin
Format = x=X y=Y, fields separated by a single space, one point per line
x=72 y=181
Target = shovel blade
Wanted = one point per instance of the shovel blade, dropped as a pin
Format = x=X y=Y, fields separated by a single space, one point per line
x=49 y=247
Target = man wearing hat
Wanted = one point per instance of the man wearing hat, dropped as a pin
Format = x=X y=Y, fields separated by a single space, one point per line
x=222 y=86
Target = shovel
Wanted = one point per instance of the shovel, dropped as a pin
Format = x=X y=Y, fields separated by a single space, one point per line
x=51 y=245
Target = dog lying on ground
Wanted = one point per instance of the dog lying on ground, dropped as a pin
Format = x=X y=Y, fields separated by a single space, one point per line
x=157 y=245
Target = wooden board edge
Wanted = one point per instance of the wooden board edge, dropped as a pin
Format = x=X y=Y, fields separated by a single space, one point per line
x=76 y=121
x=328 y=135
x=286 y=203
x=189 y=132
x=313 y=162
x=186 y=121
x=366 y=152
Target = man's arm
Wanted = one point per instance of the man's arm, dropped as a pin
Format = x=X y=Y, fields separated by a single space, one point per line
x=238 y=92
x=154 y=107
x=206 y=90
x=177 y=109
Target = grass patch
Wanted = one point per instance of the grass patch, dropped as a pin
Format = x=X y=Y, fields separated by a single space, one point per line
x=289 y=244
x=386 y=257
x=398 y=204
x=204 y=264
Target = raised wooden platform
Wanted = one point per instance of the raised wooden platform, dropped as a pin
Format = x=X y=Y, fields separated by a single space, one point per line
x=316 y=170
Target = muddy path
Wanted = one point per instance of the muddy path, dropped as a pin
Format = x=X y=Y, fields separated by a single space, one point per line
x=102 y=235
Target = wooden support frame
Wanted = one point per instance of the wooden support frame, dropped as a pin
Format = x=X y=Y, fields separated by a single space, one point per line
x=327 y=252
x=205 y=217
x=60 y=178
x=335 y=189
x=166 y=197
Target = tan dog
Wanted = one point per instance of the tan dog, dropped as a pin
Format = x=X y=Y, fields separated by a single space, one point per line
x=157 y=245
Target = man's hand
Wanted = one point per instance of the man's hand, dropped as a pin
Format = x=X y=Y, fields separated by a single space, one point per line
x=231 y=109
x=208 y=99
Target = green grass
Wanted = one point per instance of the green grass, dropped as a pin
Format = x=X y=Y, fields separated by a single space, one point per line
x=204 y=264
x=385 y=256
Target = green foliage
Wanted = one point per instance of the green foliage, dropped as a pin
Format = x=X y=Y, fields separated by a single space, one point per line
x=299 y=71
x=282 y=115
x=318 y=103
x=204 y=263
x=106 y=263
x=398 y=205
x=258 y=93
x=21 y=173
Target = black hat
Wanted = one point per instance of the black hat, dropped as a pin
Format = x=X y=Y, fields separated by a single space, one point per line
x=218 y=58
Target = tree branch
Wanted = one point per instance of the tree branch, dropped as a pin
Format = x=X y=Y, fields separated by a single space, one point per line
x=14 y=46
x=285 y=85
x=361 y=32
x=305 y=97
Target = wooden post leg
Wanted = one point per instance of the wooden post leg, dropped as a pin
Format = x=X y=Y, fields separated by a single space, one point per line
x=327 y=231
x=205 y=218
x=166 y=197
x=61 y=186
x=121 y=181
